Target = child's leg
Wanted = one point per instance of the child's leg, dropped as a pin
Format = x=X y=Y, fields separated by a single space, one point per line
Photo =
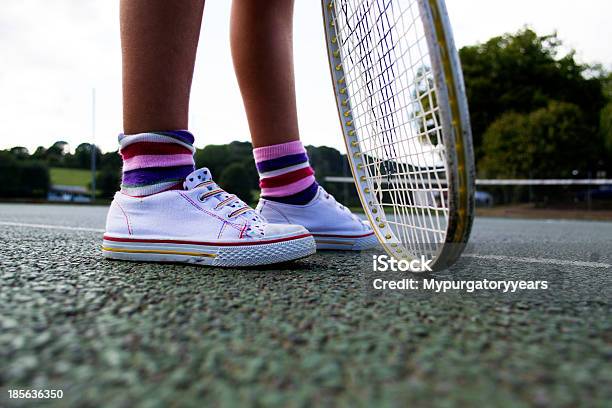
x=159 y=39
x=166 y=211
x=262 y=49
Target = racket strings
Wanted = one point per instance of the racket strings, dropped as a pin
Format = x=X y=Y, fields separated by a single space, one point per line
x=390 y=102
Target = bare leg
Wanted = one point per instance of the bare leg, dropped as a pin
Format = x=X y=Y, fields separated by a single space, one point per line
x=159 y=39
x=262 y=50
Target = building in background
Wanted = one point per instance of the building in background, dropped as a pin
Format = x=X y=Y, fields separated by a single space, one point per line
x=75 y=194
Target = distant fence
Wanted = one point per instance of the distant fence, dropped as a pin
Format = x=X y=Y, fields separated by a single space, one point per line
x=509 y=182
x=580 y=194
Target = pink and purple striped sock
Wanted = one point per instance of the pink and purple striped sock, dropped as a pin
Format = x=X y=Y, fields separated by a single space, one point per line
x=156 y=161
x=285 y=174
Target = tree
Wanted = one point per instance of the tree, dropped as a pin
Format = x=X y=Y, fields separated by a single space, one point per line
x=35 y=179
x=9 y=179
x=242 y=152
x=214 y=157
x=111 y=160
x=40 y=153
x=605 y=129
x=234 y=179
x=108 y=181
x=523 y=72
x=327 y=161
x=22 y=178
x=59 y=148
x=82 y=156
x=550 y=142
x=56 y=153
x=429 y=119
x=218 y=157
x=20 y=152
x=605 y=123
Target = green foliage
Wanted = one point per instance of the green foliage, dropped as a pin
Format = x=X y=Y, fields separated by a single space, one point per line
x=82 y=157
x=607 y=87
x=40 y=153
x=233 y=166
x=56 y=153
x=70 y=177
x=547 y=143
x=20 y=178
x=218 y=157
x=35 y=179
x=233 y=178
x=215 y=157
x=605 y=120
x=521 y=73
x=20 y=152
x=108 y=181
x=535 y=112
x=605 y=128
x=111 y=160
x=327 y=161
x=426 y=102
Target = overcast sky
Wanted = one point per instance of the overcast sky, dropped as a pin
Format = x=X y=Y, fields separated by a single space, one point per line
x=53 y=52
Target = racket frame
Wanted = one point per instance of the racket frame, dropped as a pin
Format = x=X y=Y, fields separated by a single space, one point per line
x=456 y=134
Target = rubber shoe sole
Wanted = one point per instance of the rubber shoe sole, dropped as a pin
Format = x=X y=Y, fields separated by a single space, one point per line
x=222 y=254
x=345 y=242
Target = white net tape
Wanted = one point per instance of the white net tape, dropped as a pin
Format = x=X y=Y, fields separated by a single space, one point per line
x=391 y=100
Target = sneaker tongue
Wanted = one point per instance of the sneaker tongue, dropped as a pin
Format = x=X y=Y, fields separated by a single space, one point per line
x=196 y=178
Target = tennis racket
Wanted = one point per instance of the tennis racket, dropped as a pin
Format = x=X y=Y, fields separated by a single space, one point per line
x=401 y=101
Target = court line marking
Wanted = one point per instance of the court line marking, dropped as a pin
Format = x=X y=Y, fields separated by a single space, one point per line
x=547 y=261
x=47 y=226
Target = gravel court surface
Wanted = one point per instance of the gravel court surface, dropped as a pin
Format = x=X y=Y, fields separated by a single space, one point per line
x=302 y=333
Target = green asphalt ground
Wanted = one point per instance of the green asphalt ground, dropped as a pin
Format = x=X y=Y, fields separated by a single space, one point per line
x=305 y=333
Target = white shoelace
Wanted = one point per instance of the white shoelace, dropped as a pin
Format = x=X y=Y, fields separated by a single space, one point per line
x=225 y=200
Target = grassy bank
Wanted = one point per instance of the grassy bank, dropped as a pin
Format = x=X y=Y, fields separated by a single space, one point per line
x=70 y=177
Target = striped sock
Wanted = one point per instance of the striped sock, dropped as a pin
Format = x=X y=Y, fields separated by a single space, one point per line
x=155 y=162
x=285 y=174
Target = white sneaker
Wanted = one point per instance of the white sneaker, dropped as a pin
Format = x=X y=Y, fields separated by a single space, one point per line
x=332 y=225
x=200 y=225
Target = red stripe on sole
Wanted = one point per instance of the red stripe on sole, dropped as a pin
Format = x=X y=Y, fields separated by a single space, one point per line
x=287 y=178
x=171 y=241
